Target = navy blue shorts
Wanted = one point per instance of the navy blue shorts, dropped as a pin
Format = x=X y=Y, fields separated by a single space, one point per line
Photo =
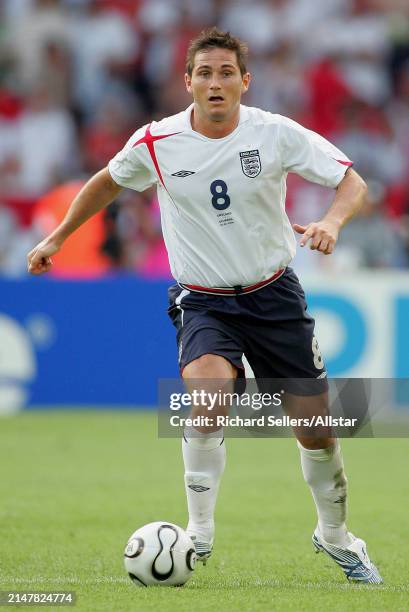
x=271 y=327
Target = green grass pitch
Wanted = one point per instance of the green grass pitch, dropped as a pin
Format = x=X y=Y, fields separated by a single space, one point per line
x=74 y=485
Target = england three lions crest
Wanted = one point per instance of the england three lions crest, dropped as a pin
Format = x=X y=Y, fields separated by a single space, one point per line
x=250 y=163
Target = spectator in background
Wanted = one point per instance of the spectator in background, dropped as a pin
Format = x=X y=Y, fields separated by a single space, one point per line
x=159 y=22
x=12 y=10
x=55 y=73
x=10 y=111
x=398 y=113
x=328 y=95
x=105 y=47
x=280 y=86
x=155 y=263
x=76 y=76
x=14 y=240
x=45 y=145
x=368 y=138
x=260 y=23
x=28 y=34
x=370 y=241
x=38 y=146
x=107 y=132
x=170 y=93
x=359 y=40
x=134 y=236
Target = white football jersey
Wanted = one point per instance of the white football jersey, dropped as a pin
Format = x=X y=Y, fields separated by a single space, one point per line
x=222 y=200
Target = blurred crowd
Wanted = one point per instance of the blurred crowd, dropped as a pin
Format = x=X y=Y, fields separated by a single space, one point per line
x=77 y=77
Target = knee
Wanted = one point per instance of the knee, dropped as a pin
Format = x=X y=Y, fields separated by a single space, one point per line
x=210 y=366
x=206 y=441
x=317 y=443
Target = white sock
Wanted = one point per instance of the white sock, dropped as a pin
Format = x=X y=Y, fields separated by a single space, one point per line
x=323 y=470
x=204 y=456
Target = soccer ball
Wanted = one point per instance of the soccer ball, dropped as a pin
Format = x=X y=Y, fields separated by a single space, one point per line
x=159 y=553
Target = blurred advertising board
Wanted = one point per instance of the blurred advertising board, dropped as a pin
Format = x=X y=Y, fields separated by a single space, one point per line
x=106 y=342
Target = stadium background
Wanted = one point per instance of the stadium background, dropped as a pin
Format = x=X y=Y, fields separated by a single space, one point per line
x=77 y=77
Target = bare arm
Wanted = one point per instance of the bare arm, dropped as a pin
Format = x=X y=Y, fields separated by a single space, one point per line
x=349 y=197
x=97 y=193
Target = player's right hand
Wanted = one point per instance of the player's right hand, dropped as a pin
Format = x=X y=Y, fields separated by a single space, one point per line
x=39 y=259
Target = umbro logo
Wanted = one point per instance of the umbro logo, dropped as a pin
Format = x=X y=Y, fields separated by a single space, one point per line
x=198 y=488
x=183 y=173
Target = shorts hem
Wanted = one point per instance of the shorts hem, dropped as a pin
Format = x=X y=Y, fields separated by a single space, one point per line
x=238 y=367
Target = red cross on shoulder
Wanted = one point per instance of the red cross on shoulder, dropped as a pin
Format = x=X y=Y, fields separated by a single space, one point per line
x=149 y=139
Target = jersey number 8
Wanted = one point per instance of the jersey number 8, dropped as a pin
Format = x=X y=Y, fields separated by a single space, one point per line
x=220 y=199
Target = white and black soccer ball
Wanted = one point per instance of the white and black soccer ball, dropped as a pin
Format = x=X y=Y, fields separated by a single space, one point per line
x=159 y=553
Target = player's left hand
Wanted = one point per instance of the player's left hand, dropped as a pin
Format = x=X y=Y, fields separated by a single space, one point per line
x=321 y=235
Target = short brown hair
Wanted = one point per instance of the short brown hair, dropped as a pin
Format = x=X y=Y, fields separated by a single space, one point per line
x=213 y=38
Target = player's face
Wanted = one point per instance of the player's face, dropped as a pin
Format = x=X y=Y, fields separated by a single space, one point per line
x=217 y=83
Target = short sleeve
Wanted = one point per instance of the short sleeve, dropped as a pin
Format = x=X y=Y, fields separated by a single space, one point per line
x=311 y=156
x=128 y=167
